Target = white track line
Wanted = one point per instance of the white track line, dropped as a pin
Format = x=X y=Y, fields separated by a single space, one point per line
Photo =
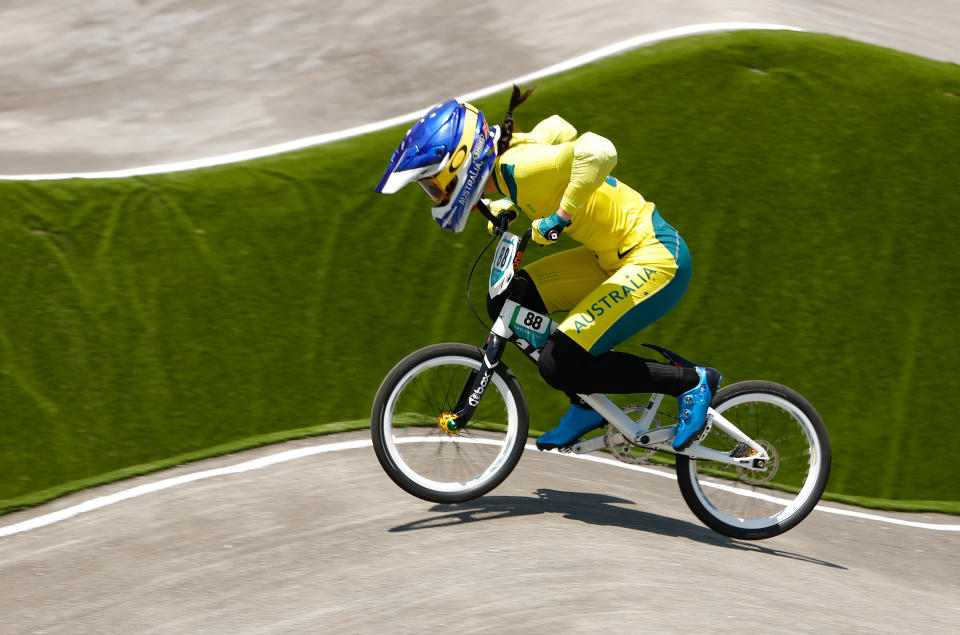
x=613 y=49
x=607 y=51
x=167 y=483
x=290 y=455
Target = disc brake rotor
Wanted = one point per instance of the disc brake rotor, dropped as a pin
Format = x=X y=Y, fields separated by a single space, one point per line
x=765 y=474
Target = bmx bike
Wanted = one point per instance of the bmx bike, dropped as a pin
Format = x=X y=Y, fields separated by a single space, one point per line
x=449 y=424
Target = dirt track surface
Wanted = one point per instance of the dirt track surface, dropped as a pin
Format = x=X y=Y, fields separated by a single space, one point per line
x=328 y=544
x=112 y=84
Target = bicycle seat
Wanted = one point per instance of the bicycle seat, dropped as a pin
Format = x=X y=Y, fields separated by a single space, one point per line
x=672 y=357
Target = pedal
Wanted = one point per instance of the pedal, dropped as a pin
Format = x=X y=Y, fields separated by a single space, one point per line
x=706 y=428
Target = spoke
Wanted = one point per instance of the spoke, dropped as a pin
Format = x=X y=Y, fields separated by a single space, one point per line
x=429 y=397
x=449 y=458
x=773 y=425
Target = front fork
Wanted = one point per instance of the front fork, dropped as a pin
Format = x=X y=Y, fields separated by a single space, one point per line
x=476 y=383
x=493 y=350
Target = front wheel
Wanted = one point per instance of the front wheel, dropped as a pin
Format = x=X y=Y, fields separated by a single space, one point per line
x=753 y=504
x=416 y=437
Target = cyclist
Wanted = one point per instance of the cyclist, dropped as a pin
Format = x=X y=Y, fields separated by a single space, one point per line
x=630 y=269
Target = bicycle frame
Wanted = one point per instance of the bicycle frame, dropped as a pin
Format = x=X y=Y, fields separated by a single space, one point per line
x=529 y=330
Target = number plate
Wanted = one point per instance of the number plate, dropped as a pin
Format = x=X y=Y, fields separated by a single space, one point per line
x=501 y=270
x=531 y=326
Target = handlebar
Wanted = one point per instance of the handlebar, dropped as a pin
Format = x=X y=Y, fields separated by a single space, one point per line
x=500 y=222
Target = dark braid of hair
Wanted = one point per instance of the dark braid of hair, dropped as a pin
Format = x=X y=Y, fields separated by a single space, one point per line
x=506 y=130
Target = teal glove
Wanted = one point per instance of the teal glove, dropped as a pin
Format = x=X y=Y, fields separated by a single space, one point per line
x=546 y=231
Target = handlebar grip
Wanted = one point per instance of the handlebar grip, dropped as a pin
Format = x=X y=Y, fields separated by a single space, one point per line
x=503 y=221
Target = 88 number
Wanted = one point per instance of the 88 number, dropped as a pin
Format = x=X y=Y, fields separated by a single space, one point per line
x=533 y=320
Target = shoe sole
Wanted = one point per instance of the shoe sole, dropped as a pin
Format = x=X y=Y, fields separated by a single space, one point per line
x=693 y=437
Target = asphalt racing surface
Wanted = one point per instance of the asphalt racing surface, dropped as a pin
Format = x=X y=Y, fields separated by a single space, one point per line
x=326 y=542
x=111 y=84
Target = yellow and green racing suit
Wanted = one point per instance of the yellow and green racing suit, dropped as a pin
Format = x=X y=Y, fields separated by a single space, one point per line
x=631 y=268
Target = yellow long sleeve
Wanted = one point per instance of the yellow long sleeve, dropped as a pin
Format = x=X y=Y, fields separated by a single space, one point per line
x=594 y=157
x=550 y=167
x=553 y=130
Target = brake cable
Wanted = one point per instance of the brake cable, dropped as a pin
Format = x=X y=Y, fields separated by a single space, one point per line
x=500 y=224
x=470 y=278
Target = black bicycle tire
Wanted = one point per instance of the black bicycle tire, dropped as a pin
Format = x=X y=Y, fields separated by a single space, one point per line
x=688 y=488
x=378 y=431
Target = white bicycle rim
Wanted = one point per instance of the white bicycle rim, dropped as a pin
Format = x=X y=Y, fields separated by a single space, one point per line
x=506 y=444
x=790 y=506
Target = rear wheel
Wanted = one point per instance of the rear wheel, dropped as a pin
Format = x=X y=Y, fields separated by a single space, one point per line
x=417 y=439
x=753 y=504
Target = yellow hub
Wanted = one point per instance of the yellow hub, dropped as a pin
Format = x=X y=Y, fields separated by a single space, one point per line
x=448 y=423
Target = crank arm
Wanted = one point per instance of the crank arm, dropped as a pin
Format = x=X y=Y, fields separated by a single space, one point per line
x=590 y=445
x=650 y=439
x=656 y=436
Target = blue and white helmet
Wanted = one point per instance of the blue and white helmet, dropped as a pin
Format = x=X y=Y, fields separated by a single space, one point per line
x=450 y=153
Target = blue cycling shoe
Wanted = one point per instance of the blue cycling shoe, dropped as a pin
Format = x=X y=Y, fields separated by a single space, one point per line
x=576 y=423
x=693 y=408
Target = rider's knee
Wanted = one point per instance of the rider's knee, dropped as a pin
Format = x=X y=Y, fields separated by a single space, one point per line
x=561 y=362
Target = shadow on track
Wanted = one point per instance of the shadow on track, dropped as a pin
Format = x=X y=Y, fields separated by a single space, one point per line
x=595 y=509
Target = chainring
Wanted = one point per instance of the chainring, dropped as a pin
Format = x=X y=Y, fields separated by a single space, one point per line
x=625 y=451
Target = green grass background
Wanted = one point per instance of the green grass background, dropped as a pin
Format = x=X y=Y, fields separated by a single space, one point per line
x=157 y=319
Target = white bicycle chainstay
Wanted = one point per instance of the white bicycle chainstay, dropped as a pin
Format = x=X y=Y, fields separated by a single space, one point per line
x=639 y=433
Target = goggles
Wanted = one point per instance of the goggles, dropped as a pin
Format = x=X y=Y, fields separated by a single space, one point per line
x=436 y=191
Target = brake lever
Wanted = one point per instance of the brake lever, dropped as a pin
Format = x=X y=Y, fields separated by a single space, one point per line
x=503 y=221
